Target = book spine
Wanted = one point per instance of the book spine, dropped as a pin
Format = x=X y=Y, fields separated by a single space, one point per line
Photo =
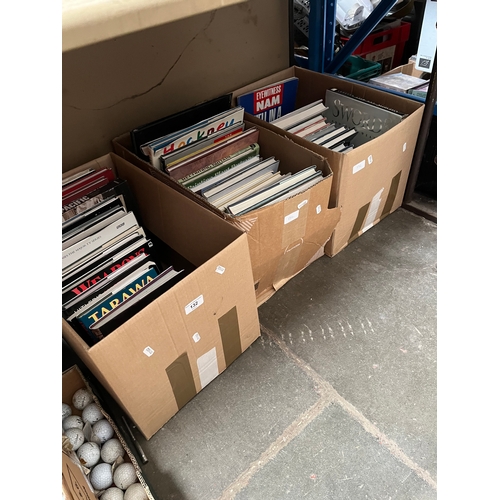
x=219 y=167
x=79 y=250
x=101 y=309
x=169 y=145
x=85 y=284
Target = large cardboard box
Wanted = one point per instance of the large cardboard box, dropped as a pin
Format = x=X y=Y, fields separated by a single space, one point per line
x=285 y=237
x=369 y=181
x=163 y=356
x=75 y=483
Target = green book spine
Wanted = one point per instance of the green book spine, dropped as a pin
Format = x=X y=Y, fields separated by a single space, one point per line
x=214 y=169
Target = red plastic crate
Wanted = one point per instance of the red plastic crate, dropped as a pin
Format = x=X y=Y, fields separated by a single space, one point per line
x=392 y=37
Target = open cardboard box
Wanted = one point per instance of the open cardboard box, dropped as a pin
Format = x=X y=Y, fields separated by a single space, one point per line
x=368 y=182
x=284 y=238
x=75 y=483
x=407 y=69
x=163 y=356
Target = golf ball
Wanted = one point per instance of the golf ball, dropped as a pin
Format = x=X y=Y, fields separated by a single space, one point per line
x=124 y=475
x=101 y=476
x=89 y=454
x=81 y=398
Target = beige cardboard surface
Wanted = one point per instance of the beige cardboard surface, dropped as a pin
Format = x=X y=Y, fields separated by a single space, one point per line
x=117 y=84
x=72 y=473
x=407 y=69
x=184 y=338
x=283 y=238
x=369 y=181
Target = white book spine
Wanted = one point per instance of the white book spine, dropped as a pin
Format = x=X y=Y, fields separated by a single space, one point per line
x=84 y=247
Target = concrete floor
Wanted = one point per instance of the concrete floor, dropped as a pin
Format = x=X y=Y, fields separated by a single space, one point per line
x=336 y=399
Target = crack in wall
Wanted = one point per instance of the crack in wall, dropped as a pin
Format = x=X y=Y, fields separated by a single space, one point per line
x=160 y=83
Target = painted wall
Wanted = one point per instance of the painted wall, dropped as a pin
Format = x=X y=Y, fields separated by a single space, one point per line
x=113 y=86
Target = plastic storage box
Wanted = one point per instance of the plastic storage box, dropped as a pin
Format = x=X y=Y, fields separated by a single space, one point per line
x=360 y=69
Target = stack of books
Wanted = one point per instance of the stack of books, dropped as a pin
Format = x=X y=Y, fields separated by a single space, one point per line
x=220 y=160
x=109 y=267
x=275 y=104
x=311 y=123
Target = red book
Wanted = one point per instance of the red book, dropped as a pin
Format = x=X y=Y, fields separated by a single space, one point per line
x=89 y=182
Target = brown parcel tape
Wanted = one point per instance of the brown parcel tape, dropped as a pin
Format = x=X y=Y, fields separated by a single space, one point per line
x=369 y=181
x=74 y=480
x=284 y=238
x=159 y=359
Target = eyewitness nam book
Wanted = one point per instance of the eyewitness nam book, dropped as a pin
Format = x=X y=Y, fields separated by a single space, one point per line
x=271 y=102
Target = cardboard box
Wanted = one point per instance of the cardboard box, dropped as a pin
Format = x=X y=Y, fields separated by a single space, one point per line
x=74 y=481
x=163 y=356
x=407 y=69
x=369 y=181
x=285 y=237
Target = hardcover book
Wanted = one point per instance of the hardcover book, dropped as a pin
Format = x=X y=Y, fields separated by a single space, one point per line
x=120 y=277
x=128 y=308
x=92 y=226
x=86 y=184
x=197 y=132
x=90 y=316
x=117 y=187
x=130 y=239
x=191 y=149
x=370 y=119
x=182 y=168
x=269 y=194
x=240 y=179
x=314 y=109
x=96 y=241
x=178 y=121
x=100 y=272
x=271 y=102
x=210 y=174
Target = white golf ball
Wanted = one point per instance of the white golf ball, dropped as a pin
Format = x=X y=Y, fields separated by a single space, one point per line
x=72 y=422
x=102 y=431
x=76 y=437
x=112 y=493
x=89 y=454
x=101 y=476
x=135 y=492
x=92 y=414
x=111 y=450
x=81 y=398
x=66 y=410
x=124 y=475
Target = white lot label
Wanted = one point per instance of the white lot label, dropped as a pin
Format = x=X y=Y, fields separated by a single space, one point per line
x=370 y=160
x=208 y=368
x=404 y=147
x=359 y=166
x=220 y=269
x=148 y=351
x=196 y=337
x=292 y=216
x=194 y=304
x=318 y=209
x=300 y=205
